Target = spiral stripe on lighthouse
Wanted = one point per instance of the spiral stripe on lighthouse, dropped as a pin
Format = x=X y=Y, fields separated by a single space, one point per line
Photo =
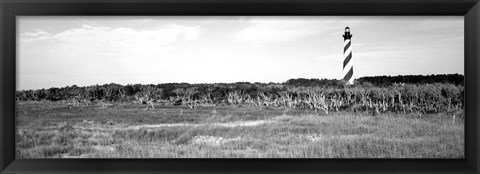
x=347 y=62
x=346 y=45
x=346 y=42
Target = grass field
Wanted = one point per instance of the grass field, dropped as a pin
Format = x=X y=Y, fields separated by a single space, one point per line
x=53 y=130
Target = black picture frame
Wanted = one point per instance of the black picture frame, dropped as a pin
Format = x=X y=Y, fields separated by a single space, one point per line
x=9 y=9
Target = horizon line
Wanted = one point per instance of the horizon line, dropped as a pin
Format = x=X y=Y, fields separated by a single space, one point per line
x=231 y=82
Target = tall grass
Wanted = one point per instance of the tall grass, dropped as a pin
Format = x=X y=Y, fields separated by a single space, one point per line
x=86 y=133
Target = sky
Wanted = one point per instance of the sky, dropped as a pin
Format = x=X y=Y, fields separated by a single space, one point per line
x=59 y=51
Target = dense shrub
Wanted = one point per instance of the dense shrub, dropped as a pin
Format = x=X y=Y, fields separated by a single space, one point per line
x=369 y=94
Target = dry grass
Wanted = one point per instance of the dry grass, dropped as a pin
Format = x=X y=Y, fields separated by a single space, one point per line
x=51 y=130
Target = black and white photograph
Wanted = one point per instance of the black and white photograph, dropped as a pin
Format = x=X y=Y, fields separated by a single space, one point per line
x=240 y=87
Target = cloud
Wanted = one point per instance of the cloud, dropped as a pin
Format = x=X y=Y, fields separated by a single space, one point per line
x=99 y=52
x=262 y=31
x=131 y=41
x=268 y=31
x=35 y=35
x=105 y=42
x=89 y=35
x=438 y=23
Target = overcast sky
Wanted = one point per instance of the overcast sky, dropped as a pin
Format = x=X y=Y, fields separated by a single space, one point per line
x=83 y=51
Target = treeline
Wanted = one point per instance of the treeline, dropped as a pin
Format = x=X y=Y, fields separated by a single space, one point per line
x=456 y=79
x=116 y=92
x=327 y=95
x=218 y=91
x=315 y=82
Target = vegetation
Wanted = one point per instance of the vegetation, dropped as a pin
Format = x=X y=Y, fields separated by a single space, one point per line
x=52 y=130
x=378 y=117
x=455 y=79
x=327 y=96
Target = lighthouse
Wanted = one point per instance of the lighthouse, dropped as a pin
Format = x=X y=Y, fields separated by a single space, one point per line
x=347 y=57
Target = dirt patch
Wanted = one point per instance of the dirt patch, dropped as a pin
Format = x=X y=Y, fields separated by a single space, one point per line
x=212 y=140
x=317 y=137
x=228 y=124
x=244 y=123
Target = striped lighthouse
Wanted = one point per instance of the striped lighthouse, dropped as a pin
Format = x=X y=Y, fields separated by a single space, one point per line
x=347 y=57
